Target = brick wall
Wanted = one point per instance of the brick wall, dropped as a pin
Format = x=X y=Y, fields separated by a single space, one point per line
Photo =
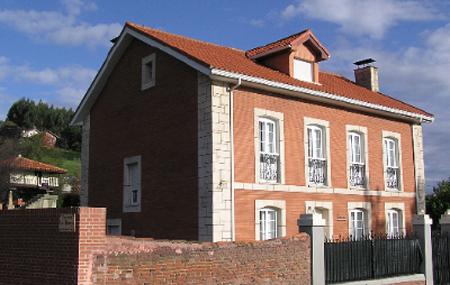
x=50 y=246
x=160 y=125
x=128 y=261
x=294 y=110
x=69 y=246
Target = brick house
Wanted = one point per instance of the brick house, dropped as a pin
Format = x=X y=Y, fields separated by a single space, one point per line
x=185 y=139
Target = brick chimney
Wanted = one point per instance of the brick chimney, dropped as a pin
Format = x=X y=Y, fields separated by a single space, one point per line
x=366 y=74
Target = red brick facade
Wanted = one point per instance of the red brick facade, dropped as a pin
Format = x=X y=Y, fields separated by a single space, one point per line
x=294 y=110
x=160 y=125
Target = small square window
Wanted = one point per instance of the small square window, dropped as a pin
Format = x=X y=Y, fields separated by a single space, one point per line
x=114 y=227
x=148 y=72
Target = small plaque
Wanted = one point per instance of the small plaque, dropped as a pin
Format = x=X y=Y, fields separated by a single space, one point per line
x=66 y=223
x=341 y=218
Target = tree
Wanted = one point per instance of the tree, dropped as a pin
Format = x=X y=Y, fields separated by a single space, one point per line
x=439 y=201
x=26 y=114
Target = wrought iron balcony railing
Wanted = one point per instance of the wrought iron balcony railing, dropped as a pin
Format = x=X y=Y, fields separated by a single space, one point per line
x=357 y=175
x=392 y=177
x=269 y=167
x=317 y=171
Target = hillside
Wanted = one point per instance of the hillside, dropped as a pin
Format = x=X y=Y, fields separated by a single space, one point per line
x=63 y=158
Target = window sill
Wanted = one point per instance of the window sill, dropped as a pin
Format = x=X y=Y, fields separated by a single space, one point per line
x=392 y=190
x=147 y=85
x=355 y=188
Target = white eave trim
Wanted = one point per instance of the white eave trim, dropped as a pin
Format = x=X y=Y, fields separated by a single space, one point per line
x=288 y=87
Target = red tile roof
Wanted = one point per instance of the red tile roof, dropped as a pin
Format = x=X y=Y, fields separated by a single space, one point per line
x=235 y=60
x=285 y=42
x=22 y=163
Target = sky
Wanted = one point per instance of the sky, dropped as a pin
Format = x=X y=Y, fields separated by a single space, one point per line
x=51 y=50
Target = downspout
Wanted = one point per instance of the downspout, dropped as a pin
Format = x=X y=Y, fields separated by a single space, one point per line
x=231 y=127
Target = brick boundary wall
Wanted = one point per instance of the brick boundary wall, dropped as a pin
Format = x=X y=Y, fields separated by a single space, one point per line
x=69 y=246
x=137 y=261
x=34 y=251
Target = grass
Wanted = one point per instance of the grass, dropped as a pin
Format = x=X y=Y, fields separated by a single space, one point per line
x=67 y=159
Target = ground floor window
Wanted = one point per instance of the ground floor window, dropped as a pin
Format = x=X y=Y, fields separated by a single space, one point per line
x=393 y=223
x=268 y=219
x=357 y=223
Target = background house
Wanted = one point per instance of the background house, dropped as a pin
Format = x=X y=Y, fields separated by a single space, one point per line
x=237 y=144
x=30 y=182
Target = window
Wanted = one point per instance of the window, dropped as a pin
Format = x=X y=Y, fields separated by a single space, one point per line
x=114 y=227
x=132 y=184
x=392 y=163
x=357 y=223
x=357 y=175
x=317 y=162
x=303 y=70
x=394 y=223
x=148 y=72
x=269 y=156
x=268 y=223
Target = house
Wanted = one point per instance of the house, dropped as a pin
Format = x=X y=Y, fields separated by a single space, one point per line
x=48 y=138
x=185 y=139
x=31 y=182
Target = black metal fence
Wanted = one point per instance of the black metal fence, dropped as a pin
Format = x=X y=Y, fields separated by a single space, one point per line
x=441 y=258
x=371 y=257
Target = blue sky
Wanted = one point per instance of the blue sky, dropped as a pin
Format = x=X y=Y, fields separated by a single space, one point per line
x=51 y=50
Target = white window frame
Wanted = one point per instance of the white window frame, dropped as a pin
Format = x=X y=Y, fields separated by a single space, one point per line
x=128 y=204
x=395 y=137
x=300 y=70
x=325 y=126
x=400 y=209
x=280 y=207
x=148 y=80
x=114 y=223
x=327 y=205
x=362 y=132
x=266 y=223
x=366 y=207
x=278 y=118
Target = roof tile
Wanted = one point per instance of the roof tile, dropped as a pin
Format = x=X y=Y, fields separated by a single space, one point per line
x=235 y=60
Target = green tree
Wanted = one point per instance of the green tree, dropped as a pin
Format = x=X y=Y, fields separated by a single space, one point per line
x=439 y=201
x=23 y=113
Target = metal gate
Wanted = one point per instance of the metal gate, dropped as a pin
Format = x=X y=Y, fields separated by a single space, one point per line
x=441 y=258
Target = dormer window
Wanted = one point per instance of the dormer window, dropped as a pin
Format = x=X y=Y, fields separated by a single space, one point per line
x=303 y=70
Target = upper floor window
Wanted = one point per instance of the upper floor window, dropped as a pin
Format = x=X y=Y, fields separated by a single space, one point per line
x=357 y=160
x=132 y=184
x=303 y=70
x=269 y=220
x=269 y=154
x=148 y=72
x=317 y=162
x=391 y=159
x=358 y=223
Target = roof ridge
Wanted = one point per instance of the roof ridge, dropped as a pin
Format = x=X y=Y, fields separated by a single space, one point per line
x=279 y=40
x=183 y=37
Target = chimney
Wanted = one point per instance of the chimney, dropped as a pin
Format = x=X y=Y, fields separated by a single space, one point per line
x=366 y=74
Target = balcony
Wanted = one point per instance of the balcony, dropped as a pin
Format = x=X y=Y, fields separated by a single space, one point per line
x=317 y=171
x=269 y=167
x=392 y=177
x=357 y=175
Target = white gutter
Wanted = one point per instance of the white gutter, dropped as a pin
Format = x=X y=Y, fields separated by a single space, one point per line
x=320 y=94
x=231 y=127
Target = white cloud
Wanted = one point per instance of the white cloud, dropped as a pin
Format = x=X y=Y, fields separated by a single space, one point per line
x=67 y=84
x=362 y=17
x=61 y=27
x=258 y=23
